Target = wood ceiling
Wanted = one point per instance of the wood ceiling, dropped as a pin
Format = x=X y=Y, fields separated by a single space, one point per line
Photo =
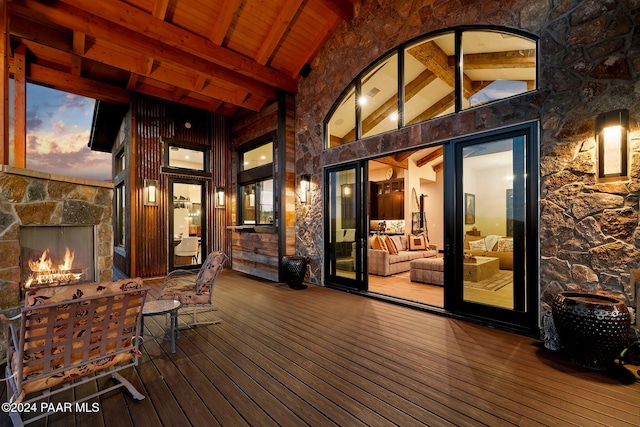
x=225 y=56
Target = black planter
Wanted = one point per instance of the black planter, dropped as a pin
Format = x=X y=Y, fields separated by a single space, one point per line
x=295 y=268
x=592 y=328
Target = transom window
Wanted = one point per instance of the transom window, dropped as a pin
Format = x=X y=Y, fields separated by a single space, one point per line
x=184 y=156
x=492 y=64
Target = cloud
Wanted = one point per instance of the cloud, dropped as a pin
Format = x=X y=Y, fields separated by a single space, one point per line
x=33 y=121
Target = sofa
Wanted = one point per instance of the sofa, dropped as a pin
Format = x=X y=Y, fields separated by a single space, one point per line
x=491 y=246
x=385 y=261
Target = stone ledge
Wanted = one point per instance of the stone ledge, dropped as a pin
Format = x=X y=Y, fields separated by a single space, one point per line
x=53 y=177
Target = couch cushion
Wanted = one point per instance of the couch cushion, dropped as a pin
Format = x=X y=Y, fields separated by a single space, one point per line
x=505 y=244
x=477 y=245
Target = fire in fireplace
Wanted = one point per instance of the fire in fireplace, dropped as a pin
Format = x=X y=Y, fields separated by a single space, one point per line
x=57 y=255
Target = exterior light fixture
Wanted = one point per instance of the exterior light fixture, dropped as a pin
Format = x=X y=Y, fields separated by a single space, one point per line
x=219 y=197
x=305 y=187
x=150 y=192
x=612 y=130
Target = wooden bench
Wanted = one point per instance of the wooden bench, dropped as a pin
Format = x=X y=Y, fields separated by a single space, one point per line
x=70 y=335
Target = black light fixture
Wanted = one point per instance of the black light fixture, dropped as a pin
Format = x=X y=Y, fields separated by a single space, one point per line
x=305 y=187
x=150 y=192
x=219 y=197
x=612 y=131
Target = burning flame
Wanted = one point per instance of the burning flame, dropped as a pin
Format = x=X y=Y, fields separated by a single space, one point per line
x=44 y=273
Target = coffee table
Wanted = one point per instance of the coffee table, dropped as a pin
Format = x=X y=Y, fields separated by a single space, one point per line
x=158 y=307
x=483 y=268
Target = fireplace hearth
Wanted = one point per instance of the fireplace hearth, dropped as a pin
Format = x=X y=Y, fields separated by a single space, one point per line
x=57 y=255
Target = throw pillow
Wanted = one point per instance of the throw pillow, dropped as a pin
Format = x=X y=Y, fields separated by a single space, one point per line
x=397 y=241
x=505 y=245
x=391 y=246
x=477 y=245
x=417 y=243
x=377 y=242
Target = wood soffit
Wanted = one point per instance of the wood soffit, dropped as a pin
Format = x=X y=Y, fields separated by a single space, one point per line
x=224 y=56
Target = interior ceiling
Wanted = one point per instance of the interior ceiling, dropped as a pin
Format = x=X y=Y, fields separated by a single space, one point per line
x=225 y=56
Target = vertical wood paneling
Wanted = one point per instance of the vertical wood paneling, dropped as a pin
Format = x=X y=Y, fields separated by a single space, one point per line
x=154 y=119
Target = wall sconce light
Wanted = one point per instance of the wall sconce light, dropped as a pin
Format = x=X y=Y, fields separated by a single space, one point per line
x=150 y=192
x=347 y=190
x=612 y=130
x=305 y=188
x=220 y=196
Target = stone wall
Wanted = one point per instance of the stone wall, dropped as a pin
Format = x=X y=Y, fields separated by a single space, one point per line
x=589 y=62
x=36 y=198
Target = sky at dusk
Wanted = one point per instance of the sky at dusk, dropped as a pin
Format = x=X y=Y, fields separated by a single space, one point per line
x=58 y=130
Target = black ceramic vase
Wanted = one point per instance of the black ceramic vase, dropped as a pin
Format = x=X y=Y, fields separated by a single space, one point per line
x=592 y=328
x=295 y=268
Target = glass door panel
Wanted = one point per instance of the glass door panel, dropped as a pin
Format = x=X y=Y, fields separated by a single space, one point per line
x=344 y=227
x=494 y=203
x=187 y=221
x=488 y=172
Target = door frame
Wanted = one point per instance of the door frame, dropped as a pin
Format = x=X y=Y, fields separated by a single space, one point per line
x=204 y=202
x=526 y=296
x=359 y=283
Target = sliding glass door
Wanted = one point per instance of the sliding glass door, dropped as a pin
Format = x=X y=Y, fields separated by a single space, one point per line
x=492 y=241
x=345 y=225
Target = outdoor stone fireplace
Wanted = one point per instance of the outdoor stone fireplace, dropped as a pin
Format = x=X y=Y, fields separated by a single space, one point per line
x=30 y=200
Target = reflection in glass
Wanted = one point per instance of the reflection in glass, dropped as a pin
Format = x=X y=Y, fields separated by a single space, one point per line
x=342 y=231
x=488 y=171
x=496 y=66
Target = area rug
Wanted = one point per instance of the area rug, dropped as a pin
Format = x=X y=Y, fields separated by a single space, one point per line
x=498 y=281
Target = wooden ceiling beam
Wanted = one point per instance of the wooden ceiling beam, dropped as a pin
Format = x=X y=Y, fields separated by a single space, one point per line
x=497 y=60
x=438 y=152
x=78 y=50
x=131 y=41
x=74 y=84
x=146 y=26
x=285 y=16
x=145 y=66
x=435 y=109
x=221 y=26
x=160 y=9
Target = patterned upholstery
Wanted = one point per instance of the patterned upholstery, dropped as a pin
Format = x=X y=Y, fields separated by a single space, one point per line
x=193 y=292
x=71 y=331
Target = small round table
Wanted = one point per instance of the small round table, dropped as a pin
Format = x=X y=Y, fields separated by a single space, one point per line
x=161 y=306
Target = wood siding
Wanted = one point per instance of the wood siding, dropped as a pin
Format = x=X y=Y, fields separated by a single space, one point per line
x=259 y=253
x=154 y=119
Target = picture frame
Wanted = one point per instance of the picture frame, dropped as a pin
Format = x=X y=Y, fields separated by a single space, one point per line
x=469 y=208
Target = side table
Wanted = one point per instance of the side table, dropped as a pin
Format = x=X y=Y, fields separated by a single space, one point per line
x=157 y=307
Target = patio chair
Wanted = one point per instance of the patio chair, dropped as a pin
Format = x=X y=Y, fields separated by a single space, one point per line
x=194 y=293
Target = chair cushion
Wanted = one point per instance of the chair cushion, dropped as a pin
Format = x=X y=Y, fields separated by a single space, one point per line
x=183 y=290
x=208 y=272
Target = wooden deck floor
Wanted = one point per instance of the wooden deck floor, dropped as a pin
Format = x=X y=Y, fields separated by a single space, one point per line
x=323 y=357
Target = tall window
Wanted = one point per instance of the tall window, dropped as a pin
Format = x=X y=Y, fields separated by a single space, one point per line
x=439 y=74
x=256 y=185
x=119 y=214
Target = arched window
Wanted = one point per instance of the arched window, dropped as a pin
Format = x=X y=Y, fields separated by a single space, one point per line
x=433 y=76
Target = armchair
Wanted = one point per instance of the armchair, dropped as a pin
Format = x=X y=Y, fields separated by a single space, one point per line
x=195 y=294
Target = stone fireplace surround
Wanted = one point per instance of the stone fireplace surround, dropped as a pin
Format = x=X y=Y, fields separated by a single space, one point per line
x=36 y=198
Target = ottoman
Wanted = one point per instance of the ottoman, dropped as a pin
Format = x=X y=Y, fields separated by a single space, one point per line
x=427 y=270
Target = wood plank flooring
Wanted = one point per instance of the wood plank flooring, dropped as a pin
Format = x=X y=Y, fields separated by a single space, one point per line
x=323 y=357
